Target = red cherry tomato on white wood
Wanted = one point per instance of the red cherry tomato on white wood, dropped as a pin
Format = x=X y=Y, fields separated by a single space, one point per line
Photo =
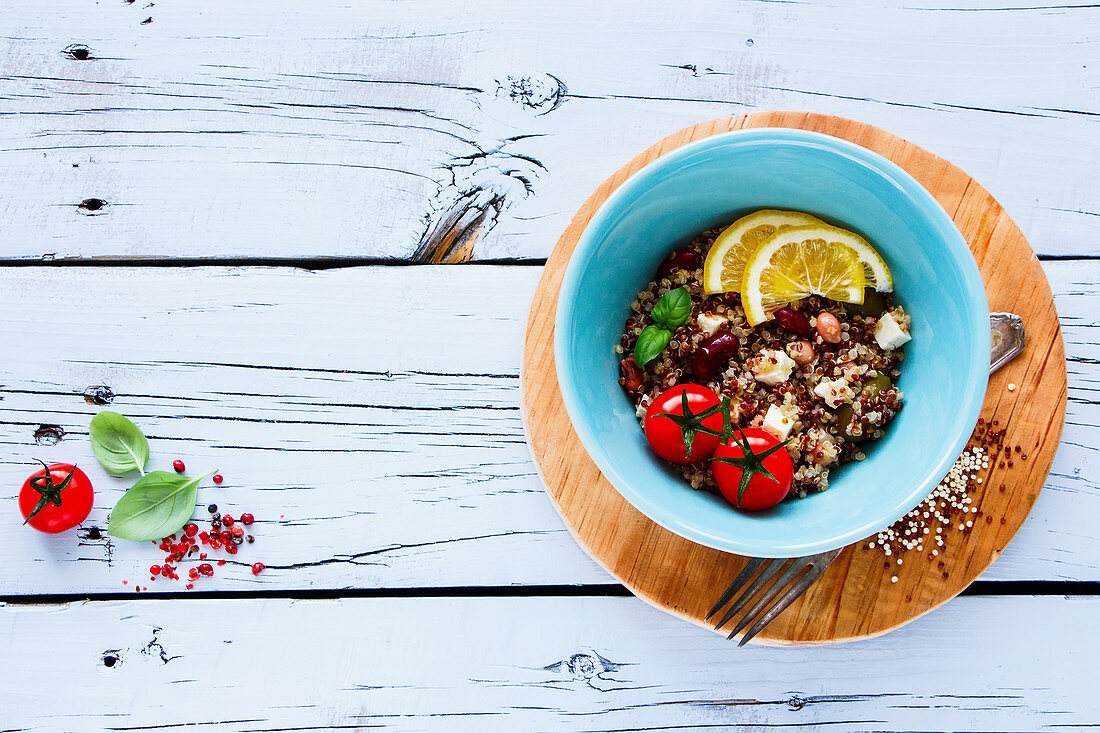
x=62 y=495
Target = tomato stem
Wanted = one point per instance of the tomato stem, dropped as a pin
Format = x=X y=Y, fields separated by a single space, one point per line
x=50 y=493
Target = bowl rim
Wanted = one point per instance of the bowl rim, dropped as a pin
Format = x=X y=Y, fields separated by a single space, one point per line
x=942 y=223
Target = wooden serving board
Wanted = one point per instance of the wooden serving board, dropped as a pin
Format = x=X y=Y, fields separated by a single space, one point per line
x=855 y=598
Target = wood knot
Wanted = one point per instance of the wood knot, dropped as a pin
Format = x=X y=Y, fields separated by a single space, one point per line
x=467 y=207
x=592 y=669
x=99 y=394
x=796 y=702
x=540 y=93
x=112 y=658
x=92 y=207
x=91 y=533
x=77 y=52
x=49 y=434
x=583 y=665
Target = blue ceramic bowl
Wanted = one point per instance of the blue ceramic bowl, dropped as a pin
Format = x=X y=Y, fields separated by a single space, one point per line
x=711 y=183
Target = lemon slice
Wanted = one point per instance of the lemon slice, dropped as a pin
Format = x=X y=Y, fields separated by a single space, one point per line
x=725 y=261
x=876 y=271
x=798 y=262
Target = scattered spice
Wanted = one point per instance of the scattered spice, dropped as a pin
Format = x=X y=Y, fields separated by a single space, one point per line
x=189 y=542
x=950 y=504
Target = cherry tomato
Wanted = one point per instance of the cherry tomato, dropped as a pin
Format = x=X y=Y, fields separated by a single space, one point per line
x=668 y=427
x=731 y=462
x=56 y=498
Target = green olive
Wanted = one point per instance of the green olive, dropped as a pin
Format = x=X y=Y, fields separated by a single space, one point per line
x=873 y=304
x=844 y=420
x=871 y=388
x=877 y=385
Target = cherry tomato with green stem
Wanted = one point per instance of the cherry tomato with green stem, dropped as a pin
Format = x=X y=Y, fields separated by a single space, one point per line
x=752 y=469
x=56 y=498
x=685 y=423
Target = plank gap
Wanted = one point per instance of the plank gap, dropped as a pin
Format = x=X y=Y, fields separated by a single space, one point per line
x=606 y=590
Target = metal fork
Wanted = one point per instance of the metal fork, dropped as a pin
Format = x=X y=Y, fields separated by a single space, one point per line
x=1007 y=343
x=802 y=571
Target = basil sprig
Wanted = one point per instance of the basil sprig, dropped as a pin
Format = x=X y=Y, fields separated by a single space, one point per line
x=118 y=444
x=673 y=309
x=669 y=313
x=160 y=503
x=651 y=342
x=156 y=506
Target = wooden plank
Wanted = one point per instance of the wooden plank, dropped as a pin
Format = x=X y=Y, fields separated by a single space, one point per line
x=269 y=129
x=369 y=423
x=547 y=664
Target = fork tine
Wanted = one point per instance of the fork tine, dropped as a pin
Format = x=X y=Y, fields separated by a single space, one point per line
x=781 y=605
x=772 y=568
x=765 y=600
x=750 y=568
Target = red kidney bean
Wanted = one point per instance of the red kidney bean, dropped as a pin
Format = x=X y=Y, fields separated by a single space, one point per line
x=680 y=259
x=713 y=354
x=802 y=351
x=828 y=327
x=793 y=321
x=630 y=375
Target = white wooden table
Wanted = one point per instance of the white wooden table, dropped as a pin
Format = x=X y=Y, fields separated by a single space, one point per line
x=209 y=216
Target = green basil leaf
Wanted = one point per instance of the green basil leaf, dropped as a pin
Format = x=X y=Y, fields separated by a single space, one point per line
x=156 y=506
x=673 y=309
x=118 y=444
x=651 y=342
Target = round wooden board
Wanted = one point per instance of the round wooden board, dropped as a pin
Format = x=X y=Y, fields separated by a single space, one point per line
x=855 y=598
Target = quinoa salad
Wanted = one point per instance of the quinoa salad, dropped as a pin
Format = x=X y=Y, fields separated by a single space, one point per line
x=819 y=373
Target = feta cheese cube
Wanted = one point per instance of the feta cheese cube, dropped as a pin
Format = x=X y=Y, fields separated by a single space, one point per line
x=772 y=367
x=835 y=392
x=777 y=422
x=888 y=333
x=710 y=323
